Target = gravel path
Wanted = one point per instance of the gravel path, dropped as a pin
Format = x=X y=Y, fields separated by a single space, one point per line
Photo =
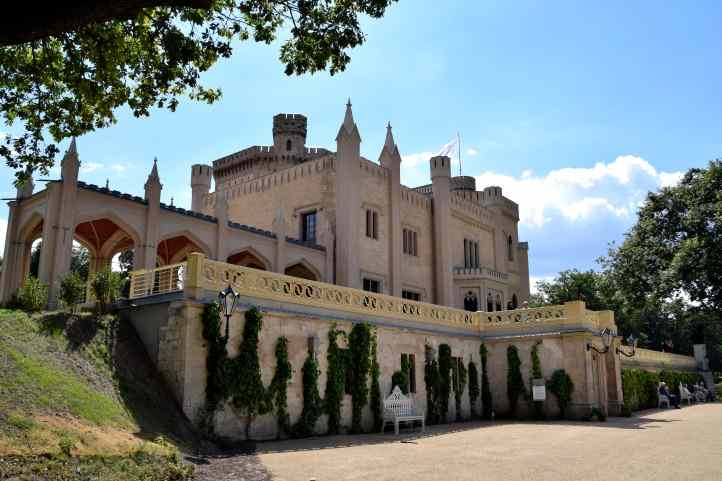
x=668 y=445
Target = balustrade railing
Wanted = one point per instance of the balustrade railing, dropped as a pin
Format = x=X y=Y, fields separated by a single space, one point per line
x=661 y=360
x=200 y=275
x=162 y=280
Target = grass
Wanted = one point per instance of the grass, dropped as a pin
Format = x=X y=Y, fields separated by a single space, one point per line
x=82 y=387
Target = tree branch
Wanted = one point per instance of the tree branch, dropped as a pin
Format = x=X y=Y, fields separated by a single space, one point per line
x=26 y=21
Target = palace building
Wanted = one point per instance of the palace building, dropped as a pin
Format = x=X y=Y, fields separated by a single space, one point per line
x=445 y=242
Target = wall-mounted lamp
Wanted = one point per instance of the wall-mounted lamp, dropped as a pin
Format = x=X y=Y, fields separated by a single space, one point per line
x=607 y=337
x=228 y=298
x=631 y=342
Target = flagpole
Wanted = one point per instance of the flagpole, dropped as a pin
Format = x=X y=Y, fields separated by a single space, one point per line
x=458 y=143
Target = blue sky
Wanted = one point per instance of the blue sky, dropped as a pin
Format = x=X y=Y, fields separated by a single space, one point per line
x=576 y=109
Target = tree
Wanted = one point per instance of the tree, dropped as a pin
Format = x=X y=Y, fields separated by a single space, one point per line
x=573 y=285
x=65 y=70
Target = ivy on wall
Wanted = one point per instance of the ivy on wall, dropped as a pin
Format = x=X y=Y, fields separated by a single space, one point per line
x=562 y=387
x=514 y=381
x=312 y=404
x=375 y=399
x=432 y=379
x=360 y=340
x=278 y=391
x=486 y=402
x=335 y=380
x=401 y=378
x=459 y=374
x=536 y=373
x=445 y=381
x=473 y=388
x=239 y=379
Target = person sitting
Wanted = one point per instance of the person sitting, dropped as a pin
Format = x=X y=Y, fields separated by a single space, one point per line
x=673 y=400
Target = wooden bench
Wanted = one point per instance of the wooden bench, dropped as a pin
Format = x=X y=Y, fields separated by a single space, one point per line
x=399 y=408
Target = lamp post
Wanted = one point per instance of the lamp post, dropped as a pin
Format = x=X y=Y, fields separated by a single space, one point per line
x=228 y=298
x=606 y=336
x=631 y=341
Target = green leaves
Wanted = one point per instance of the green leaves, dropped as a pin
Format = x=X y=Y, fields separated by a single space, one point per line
x=69 y=84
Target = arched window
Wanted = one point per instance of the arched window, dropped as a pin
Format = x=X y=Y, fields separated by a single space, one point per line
x=510 y=247
x=471 y=303
x=288 y=145
x=498 y=302
x=489 y=303
x=514 y=302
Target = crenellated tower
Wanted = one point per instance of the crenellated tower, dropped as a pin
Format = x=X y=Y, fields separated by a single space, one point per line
x=441 y=186
x=289 y=134
x=200 y=185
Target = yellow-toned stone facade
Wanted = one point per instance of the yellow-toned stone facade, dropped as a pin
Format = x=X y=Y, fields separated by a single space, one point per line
x=466 y=245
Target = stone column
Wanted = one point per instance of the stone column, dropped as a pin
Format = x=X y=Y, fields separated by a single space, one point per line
x=391 y=159
x=200 y=185
x=279 y=228
x=149 y=249
x=348 y=205
x=440 y=178
x=223 y=231
x=12 y=255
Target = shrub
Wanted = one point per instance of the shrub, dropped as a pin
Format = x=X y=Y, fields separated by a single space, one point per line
x=514 y=382
x=106 y=287
x=486 y=402
x=72 y=290
x=33 y=295
x=562 y=387
x=66 y=445
x=445 y=381
x=474 y=390
x=640 y=388
x=400 y=379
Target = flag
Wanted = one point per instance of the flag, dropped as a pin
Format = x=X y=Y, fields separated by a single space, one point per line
x=451 y=149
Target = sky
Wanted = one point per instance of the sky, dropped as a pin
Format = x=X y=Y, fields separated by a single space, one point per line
x=576 y=109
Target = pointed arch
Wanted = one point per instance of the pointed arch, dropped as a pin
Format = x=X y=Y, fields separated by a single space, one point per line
x=113 y=217
x=303 y=269
x=202 y=246
x=33 y=226
x=249 y=257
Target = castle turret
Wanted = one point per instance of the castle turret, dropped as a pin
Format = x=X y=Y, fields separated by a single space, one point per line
x=200 y=185
x=348 y=173
x=441 y=183
x=391 y=159
x=153 y=188
x=289 y=134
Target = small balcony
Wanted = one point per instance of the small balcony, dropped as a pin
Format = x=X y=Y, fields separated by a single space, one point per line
x=463 y=273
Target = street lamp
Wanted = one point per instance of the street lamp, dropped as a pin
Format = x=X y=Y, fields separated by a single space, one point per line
x=631 y=341
x=228 y=298
x=606 y=336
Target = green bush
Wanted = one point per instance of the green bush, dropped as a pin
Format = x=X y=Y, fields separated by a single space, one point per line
x=72 y=290
x=675 y=378
x=514 y=382
x=33 y=295
x=640 y=388
x=400 y=379
x=106 y=286
x=562 y=387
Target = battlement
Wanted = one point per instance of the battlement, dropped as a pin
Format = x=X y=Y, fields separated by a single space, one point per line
x=463 y=182
x=440 y=166
x=290 y=124
x=201 y=174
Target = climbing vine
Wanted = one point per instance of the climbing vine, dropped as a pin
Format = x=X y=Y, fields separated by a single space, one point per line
x=536 y=373
x=278 y=391
x=239 y=379
x=514 y=381
x=486 y=402
x=312 y=404
x=216 y=356
x=432 y=379
x=244 y=372
x=400 y=378
x=458 y=372
x=360 y=358
x=335 y=380
x=473 y=388
x=445 y=384
x=375 y=400
x=562 y=387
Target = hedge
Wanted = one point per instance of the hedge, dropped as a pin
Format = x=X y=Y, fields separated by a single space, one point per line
x=640 y=387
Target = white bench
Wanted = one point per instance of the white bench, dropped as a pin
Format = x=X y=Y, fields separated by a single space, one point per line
x=399 y=408
x=685 y=395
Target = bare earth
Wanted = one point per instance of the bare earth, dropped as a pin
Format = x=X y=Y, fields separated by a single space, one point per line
x=674 y=445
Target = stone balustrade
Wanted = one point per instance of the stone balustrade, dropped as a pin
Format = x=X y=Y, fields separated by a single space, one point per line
x=648 y=359
x=200 y=276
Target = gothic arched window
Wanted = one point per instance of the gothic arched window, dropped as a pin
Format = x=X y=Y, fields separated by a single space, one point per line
x=510 y=247
x=471 y=303
x=498 y=302
x=288 y=145
x=489 y=303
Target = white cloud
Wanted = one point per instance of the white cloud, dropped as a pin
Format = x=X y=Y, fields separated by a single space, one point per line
x=471 y=152
x=119 y=167
x=415 y=160
x=88 y=167
x=534 y=279
x=3 y=231
x=581 y=193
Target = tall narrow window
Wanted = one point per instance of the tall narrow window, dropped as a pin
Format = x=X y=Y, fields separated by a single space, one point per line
x=406 y=240
x=368 y=223
x=308 y=226
x=408 y=365
x=467 y=262
x=476 y=254
x=410 y=242
x=514 y=302
x=489 y=303
x=498 y=302
x=288 y=145
x=414 y=245
x=372 y=285
x=510 y=247
x=372 y=224
x=411 y=295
